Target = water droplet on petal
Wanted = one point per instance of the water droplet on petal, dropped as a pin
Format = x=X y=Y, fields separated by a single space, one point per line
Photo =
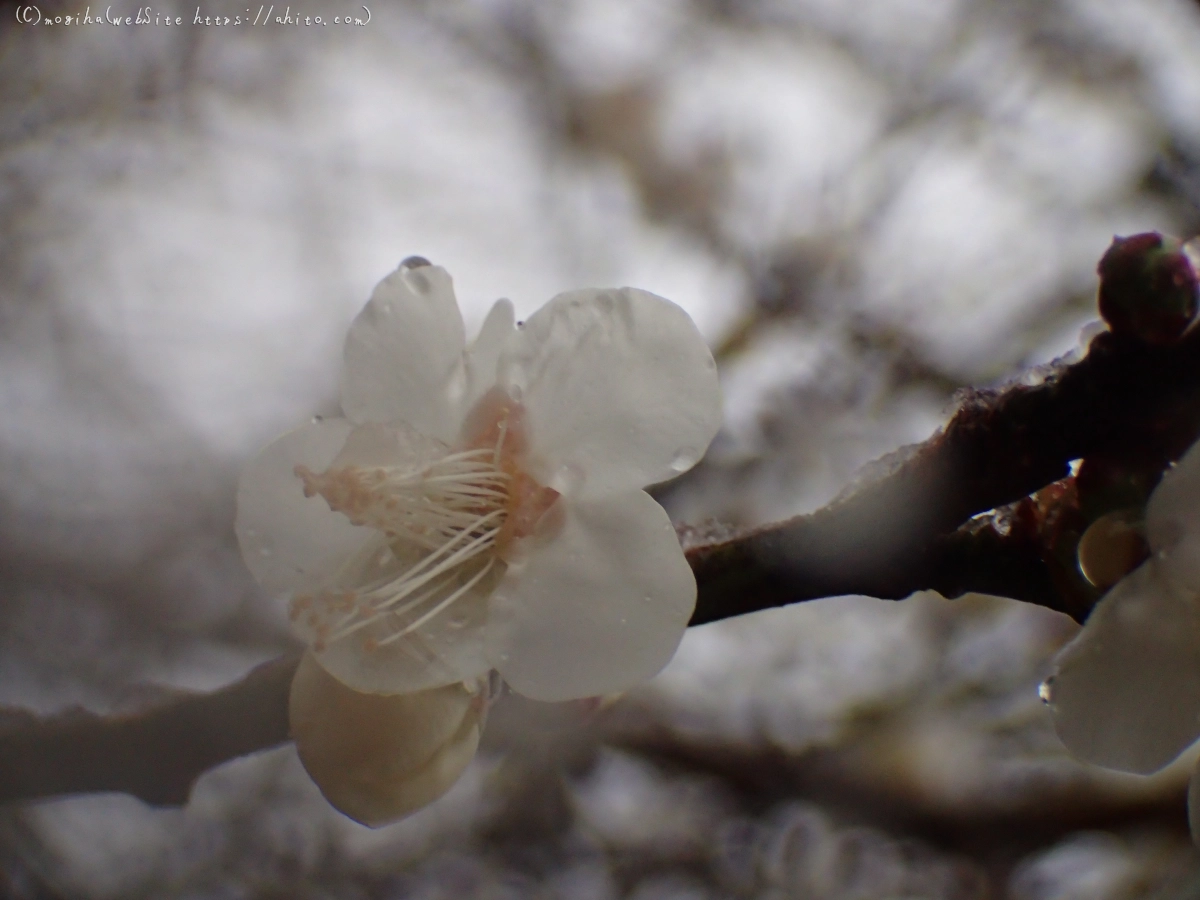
x=1046 y=690
x=317 y=420
x=568 y=479
x=414 y=262
x=647 y=599
x=684 y=459
x=624 y=621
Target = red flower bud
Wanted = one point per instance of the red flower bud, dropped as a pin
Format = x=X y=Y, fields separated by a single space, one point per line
x=1148 y=287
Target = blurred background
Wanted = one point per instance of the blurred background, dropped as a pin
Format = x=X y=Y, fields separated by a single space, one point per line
x=864 y=206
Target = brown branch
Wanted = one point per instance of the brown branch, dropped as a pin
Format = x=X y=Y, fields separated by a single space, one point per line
x=155 y=755
x=904 y=531
x=1126 y=401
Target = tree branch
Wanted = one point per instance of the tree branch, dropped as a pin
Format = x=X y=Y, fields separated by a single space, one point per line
x=910 y=528
x=1133 y=404
x=155 y=755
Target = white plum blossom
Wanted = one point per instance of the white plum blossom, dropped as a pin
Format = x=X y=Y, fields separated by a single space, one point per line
x=480 y=507
x=1125 y=692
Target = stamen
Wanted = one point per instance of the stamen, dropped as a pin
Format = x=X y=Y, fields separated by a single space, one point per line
x=458 y=556
x=443 y=526
x=503 y=429
x=445 y=604
x=345 y=629
x=413 y=580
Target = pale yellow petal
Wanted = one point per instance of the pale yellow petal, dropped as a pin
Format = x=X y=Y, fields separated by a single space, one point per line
x=379 y=758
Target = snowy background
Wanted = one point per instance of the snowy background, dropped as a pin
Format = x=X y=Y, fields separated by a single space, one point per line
x=864 y=206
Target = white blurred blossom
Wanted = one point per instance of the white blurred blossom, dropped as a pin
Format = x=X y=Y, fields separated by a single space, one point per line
x=1126 y=691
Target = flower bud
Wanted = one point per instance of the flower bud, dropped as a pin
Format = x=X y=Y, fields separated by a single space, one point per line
x=1148 y=287
x=378 y=758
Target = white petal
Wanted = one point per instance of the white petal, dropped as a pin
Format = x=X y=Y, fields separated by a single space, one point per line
x=484 y=354
x=404 y=353
x=619 y=387
x=291 y=542
x=1126 y=693
x=1173 y=520
x=598 y=608
x=375 y=758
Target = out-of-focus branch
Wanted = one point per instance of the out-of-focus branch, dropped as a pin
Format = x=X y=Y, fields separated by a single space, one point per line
x=911 y=527
x=155 y=755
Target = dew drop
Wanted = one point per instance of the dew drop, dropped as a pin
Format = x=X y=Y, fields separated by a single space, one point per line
x=1046 y=690
x=568 y=479
x=624 y=621
x=647 y=599
x=684 y=459
x=317 y=420
x=414 y=262
x=264 y=551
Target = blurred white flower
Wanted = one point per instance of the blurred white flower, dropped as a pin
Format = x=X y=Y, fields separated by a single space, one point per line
x=481 y=507
x=1125 y=692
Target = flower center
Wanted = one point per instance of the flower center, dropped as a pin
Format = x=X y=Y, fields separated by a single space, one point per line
x=444 y=525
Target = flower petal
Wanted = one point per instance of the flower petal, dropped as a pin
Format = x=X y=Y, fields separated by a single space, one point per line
x=484 y=354
x=1126 y=693
x=377 y=759
x=404 y=352
x=1173 y=520
x=599 y=607
x=620 y=388
x=291 y=542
